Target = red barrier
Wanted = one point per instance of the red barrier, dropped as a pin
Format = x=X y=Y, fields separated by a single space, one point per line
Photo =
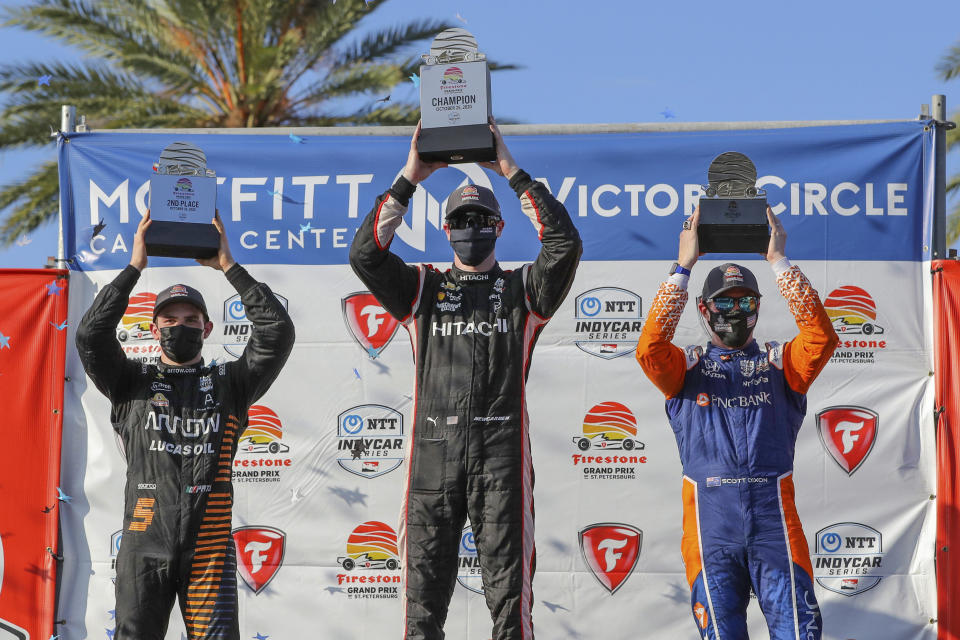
x=946 y=305
x=33 y=314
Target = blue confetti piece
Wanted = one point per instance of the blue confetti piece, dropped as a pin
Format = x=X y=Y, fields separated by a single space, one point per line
x=4 y=341
x=113 y=614
x=357 y=373
x=61 y=326
x=52 y=637
x=304 y=227
x=62 y=497
x=667 y=114
x=373 y=352
x=275 y=194
x=260 y=637
x=110 y=632
x=54 y=289
x=296 y=138
x=44 y=80
x=415 y=79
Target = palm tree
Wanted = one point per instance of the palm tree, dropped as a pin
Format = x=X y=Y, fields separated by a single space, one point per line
x=200 y=63
x=949 y=68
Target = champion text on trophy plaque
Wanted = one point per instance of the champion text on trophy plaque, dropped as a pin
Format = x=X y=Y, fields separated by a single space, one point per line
x=733 y=213
x=455 y=101
x=183 y=199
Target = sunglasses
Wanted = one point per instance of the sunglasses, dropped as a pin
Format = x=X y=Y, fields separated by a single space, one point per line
x=472 y=221
x=726 y=303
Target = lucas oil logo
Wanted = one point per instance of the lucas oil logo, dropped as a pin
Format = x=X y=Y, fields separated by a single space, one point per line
x=611 y=550
x=609 y=430
x=371 y=563
x=469 y=574
x=370 y=440
x=848 y=434
x=133 y=332
x=261 y=451
x=608 y=322
x=260 y=552
x=368 y=322
x=854 y=316
x=236 y=327
x=848 y=558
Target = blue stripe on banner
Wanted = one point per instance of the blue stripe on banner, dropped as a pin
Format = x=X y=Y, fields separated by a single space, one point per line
x=853 y=192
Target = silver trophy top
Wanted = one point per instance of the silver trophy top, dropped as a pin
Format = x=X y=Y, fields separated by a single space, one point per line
x=183 y=159
x=453 y=45
x=732 y=175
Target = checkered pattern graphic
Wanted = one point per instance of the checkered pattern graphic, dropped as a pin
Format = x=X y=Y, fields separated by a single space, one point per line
x=667 y=307
x=802 y=299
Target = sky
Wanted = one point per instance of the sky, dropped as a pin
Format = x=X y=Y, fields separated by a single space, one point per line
x=610 y=61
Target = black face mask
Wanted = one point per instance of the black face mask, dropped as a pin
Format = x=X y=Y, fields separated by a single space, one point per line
x=181 y=343
x=733 y=328
x=473 y=245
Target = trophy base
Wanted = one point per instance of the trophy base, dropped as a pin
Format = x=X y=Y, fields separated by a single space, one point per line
x=182 y=240
x=454 y=145
x=733 y=225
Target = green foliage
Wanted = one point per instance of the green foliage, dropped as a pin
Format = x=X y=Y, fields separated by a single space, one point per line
x=949 y=68
x=200 y=63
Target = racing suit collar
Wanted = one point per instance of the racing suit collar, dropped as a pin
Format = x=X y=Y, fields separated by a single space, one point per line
x=747 y=351
x=175 y=369
x=476 y=277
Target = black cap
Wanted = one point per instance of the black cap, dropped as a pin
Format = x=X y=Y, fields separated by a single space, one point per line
x=179 y=293
x=471 y=197
x=728 y=276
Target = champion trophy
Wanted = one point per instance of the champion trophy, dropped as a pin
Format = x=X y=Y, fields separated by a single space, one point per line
x=183 y=200
x=455 y=101
x=733 y=213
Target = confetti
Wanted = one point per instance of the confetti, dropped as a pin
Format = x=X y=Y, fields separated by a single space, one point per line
x=113 y=614
x=61 y=326
x=97 y=229
x=260 y=637
x=296 y=496
x=62 y=497
x=52 y=637
x=415 y=79
x=356 y=373
x=296 y=138
x=387 y=99
x=667 y=114
x=48 y=509
x=44 y=80
x=23 y=240
x=461 y=18
x=110 y=632
x=5 y=344
x=54 y=289
x=304 y=227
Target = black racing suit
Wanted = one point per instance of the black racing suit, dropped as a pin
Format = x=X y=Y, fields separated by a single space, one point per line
x=179 y=427
x=469 y=455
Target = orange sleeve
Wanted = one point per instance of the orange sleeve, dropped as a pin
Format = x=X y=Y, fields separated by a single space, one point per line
x=805 y=356
x=663 y=362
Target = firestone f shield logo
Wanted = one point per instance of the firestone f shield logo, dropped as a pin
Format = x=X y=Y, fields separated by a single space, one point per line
x=259 y=555
x=611 y=551
x=369 y=323
x=848 y=434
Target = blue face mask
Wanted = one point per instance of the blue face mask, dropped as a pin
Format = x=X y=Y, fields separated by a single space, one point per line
x=473 y=244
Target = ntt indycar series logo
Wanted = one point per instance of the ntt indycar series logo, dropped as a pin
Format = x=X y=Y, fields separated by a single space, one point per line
x=371 y=565
x=236 y=327
x=262 y=455
x=608 y=322
x=854 y=316
x=609 y=443
x=849 y=558
x=469 y=574
x=370 y=440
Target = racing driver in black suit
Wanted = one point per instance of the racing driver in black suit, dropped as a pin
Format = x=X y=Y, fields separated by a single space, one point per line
x=472 y=328
x=179 y=421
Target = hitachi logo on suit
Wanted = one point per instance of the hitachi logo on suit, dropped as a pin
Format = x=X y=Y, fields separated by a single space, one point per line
x=190 y=428
x=463 y=328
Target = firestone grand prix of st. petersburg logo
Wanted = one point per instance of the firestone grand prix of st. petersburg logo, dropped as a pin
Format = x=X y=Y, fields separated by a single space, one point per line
x=236 y=327
x=854 y=316
x=260 y=552
x=848 y=433
x=608 y=440
x=611 y=550
x=368 y=322
x=371 y=564
x=133 y=332
x=848 y=558
x=608 y=322
x=370 y=440
x=262 y=455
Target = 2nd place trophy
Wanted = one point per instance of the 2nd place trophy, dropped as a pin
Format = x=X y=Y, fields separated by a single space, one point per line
x=183 y=200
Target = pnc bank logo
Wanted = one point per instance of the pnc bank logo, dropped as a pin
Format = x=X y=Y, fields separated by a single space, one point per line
x=260 y=552
x=848 y=433
x=371 y=326
x=611 y=550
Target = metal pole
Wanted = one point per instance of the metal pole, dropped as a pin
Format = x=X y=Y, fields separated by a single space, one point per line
x=939 y=107
x=68 y=117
